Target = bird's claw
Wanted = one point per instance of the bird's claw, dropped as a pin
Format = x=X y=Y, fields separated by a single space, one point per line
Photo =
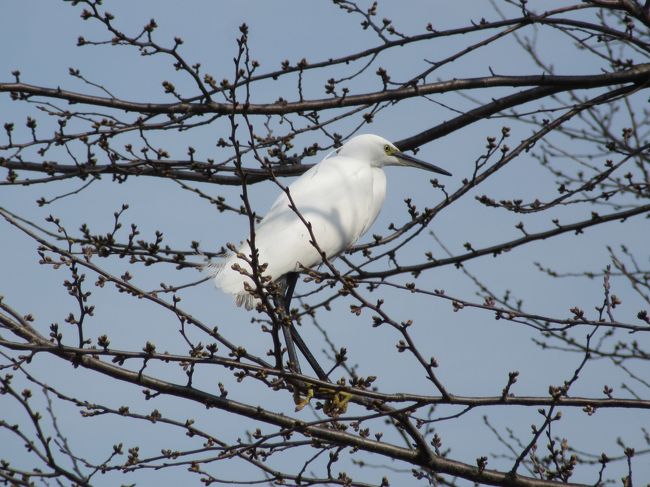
x=301 y=402
x=335 y=404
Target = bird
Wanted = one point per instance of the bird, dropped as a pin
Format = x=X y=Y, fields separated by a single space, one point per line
x=327 y=209
x=340 y=197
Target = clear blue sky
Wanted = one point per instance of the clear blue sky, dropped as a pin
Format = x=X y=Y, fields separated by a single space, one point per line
x=475 y=352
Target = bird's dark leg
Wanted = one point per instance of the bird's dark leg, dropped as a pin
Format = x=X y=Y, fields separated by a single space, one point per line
x=292 y=336
x=308 y=355
x=294 y=364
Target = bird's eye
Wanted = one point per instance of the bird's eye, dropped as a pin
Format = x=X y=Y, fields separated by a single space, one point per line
x=387 y=149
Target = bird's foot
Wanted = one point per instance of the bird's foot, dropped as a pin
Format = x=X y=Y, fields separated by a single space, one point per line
x=301 y=402
x=336 y=402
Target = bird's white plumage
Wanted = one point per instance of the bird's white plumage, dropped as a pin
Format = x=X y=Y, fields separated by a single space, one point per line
x=341 y=198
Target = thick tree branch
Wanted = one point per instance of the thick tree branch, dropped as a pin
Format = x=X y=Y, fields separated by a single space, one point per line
x=434 y=462
x=637 y=74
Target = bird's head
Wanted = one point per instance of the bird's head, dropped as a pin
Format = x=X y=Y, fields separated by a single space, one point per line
x=379 y=152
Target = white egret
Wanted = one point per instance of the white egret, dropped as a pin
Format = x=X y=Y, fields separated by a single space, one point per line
x=340 y=197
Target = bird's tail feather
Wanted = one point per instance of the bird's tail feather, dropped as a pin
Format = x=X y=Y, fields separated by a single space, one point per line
x=245 y=299
x=232 y=282
x=213 y=269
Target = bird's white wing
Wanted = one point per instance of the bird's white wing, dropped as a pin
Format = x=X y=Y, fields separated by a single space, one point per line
x=335 y=197
x=340 y=197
